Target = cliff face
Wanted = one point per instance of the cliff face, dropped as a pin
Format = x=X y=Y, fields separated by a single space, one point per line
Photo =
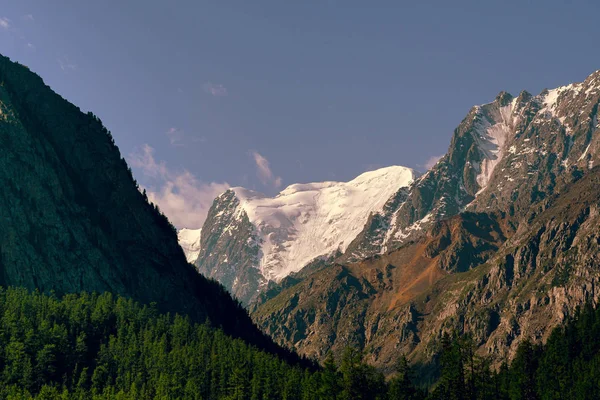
x=74 y=220
x=230 y=248
x=499 y=240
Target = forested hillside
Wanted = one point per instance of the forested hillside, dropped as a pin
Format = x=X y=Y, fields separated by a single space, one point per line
x=104 y=346
x=84 y=346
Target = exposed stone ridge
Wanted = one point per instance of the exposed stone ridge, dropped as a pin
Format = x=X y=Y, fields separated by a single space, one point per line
x=503 y=156
x=230 y=249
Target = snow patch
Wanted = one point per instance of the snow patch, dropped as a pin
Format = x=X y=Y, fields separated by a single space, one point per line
x=305 y=221
x=491 y=137
x=189 y=240
x=584 y=153
x=416 y=226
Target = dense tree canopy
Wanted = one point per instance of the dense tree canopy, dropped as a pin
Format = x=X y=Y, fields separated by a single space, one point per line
x=105 y=347
x=101 y=346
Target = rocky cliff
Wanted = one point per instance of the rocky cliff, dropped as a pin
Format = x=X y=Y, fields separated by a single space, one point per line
x=504 y=155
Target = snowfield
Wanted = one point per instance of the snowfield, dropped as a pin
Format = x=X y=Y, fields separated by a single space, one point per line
x=306 y=221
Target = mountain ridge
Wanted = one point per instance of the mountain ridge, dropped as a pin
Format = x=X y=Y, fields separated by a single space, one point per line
x=275 y=236
x=490 y=136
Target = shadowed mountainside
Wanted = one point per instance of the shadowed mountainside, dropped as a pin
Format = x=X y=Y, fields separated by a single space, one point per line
x=74 y=220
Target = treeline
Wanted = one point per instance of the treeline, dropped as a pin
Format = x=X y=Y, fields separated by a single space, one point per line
x=91 y=346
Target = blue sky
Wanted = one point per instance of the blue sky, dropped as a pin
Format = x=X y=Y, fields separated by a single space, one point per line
x=200 y=95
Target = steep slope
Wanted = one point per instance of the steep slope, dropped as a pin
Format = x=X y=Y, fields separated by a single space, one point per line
x=74 y=220
x=371 y=304
x=189 y=240
x=499 y=239
x=503 y=156
x=249 y=239
x=537 y=279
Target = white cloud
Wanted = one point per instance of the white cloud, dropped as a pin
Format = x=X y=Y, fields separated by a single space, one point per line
x=431 y=161
x=28 y=17
x=263 y=170
x=66 y=64
x=217 y=90
x=175 y=136
x=30 y=46
x=179 y=194
x=178 y=137
x=4 y=23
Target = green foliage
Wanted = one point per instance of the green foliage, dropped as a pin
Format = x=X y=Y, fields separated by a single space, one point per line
x=402 y=387
x=566 y=367
x=91 y=346
x=359 y=381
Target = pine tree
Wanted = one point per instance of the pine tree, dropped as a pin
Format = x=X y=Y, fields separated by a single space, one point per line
x=401 y=387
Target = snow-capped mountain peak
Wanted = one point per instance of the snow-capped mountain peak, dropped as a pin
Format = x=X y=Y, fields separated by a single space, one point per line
x=301 y=223
x=502 y=156
x=305 y=221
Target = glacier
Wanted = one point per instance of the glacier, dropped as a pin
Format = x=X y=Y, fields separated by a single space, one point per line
x=307 y=221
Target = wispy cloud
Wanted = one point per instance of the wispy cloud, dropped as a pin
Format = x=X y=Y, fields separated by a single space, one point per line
x=214 y=89
x=178 y=137
x=4 y=23
x=431 y=161
x=28 y=17
x=175 y=136
x=30 y=46
x=183 y=198
x=263 y=170
x=66 y=64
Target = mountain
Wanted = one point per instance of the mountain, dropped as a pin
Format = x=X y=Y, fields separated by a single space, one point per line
x=250 y=239
x=500 y=240
x=74 y=220
x=504 y=155
x=189 y=240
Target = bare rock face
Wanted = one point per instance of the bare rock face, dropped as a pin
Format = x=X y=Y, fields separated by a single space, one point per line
x=230 y=249
x=372 y=304
x=505 y=155
x=499 y=240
